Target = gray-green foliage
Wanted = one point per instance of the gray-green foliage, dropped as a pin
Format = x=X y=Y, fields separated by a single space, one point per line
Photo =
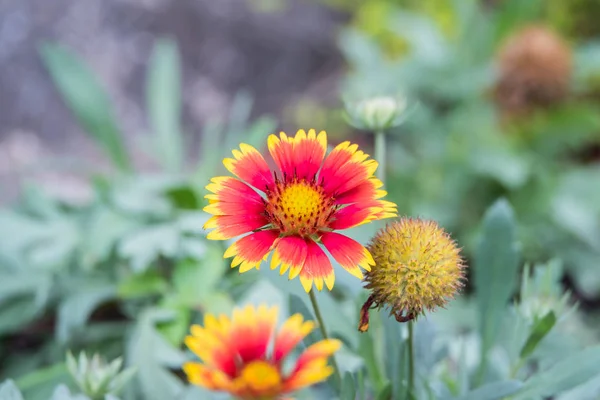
x=455 y=155
x=135 y=251
x=128 y=272
x=495 y=269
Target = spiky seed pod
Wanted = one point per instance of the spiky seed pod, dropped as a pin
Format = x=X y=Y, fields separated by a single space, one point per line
x=535 y=67
x=417 y=267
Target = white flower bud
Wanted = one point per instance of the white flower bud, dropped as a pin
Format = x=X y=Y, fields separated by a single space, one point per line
x=377 y=113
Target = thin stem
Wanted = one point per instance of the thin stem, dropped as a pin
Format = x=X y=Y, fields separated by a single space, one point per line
x=313 y=301
x=411 y=359
x=380 y=154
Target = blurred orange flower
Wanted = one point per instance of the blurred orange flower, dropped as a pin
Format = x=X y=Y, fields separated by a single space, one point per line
x=238 y=357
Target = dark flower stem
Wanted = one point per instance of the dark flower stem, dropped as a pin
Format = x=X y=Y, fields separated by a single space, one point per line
x=315 y=305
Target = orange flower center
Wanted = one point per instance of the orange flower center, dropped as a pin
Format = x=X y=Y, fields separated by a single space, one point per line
x=261 y=377
x=299 y=207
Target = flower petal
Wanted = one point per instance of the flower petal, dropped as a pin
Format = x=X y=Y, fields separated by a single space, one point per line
x=321 y=349
x=290 y=334
x=231 y=196
x=251 y=331
x=215 y=352
x=250 y=166
x=251 y=250
x=365 y=191
x=387 y=209
x=351 y=216
x=282 y=151
x=349 y=253
x=238 y=207
x=201 y=375
x=308 y=153
x=317 y=268
x=230 y=226
x=345 y=168
x=311 y=366
x=361 y=213
x=290 y=252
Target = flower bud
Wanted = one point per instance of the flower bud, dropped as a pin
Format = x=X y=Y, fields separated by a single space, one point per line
x=417 y=267
x=95 y=377
x=377 y=113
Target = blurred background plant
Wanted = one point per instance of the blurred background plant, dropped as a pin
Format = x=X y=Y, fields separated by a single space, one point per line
x=500 y=148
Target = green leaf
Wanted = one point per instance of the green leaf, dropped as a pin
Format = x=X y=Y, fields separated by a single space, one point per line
x=566 y=374
x=142 y=285
x=513 y=13
x=146 y=245
x=9 y=391
x=104 y=228
x=196 y=392
x=496 y=264
x=163 y=94
x=184 y=198
x=75 y=310
x=175 y=329
x=539 y=331
x=17 y=313
x=151 y=353
x=493 y=391
x=23 y=296
x=385 y=393
x=62 y=392
x=195 y=281
x=258 y=132
x=38 y=381
x=86 y=99
x=348 y=389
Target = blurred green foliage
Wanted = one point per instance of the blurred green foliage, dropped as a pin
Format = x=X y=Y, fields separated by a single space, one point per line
x=128 y=272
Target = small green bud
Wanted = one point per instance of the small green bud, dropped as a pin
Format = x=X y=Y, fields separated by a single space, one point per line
x=95 y=377
x=377 y=113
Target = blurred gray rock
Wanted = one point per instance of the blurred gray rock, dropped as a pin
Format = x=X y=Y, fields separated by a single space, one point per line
x=226 y=45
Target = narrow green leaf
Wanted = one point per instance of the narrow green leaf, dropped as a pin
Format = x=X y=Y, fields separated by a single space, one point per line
x=147 y=283
x=150 y=353
x=87 y=100
x=539 y=331
x=385 y=393
x=493 y=391
x=195 y=281
x=175 y=329
x=348 y=389
x=495 y=272
x=239 y=115
x=211 y=150
x=62 y=392
x=77 y=308
x=9 y=391
x=148 y=244
x=184 y=197
x=163 y=95
x=564 y=375
x=42 y=376
x=513 y=13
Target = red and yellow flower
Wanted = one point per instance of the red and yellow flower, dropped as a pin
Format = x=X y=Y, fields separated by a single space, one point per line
x=244 y=355
x=294 y=210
